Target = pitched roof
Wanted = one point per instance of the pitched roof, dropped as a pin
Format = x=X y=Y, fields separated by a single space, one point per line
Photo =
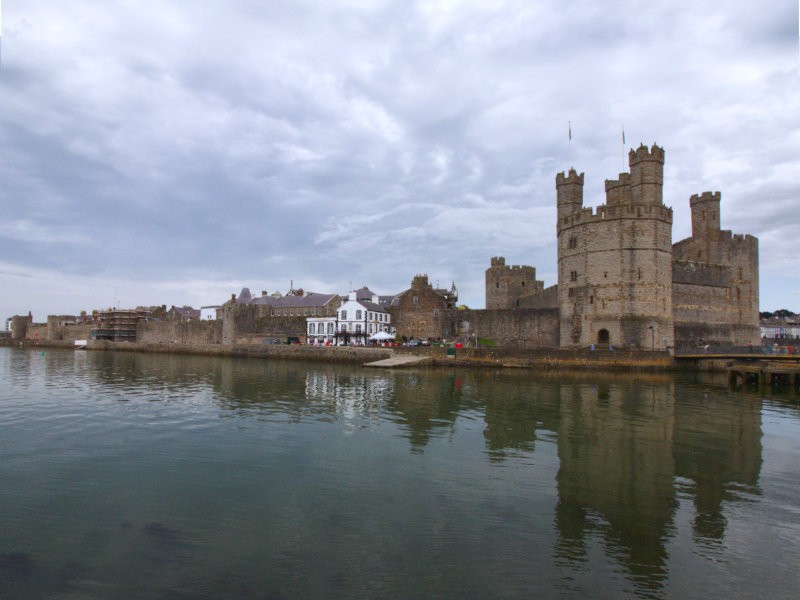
x=187 y=312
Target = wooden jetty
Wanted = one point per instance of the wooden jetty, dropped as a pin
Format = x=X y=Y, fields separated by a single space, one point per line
x=765 y=372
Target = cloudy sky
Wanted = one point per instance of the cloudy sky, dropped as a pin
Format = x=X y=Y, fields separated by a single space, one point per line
x=169 y=152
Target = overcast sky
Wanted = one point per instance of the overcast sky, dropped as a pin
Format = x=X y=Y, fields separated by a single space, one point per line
x=158 y=152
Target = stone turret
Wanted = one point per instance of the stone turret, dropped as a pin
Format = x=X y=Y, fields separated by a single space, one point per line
x=647 y=175
x=569 y=192
x=705 y=215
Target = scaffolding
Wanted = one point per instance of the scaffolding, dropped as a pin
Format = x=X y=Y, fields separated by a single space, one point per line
x=118 y=325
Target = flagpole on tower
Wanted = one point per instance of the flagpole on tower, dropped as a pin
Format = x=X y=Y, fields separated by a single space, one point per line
x=569 y=144
x=623 y=146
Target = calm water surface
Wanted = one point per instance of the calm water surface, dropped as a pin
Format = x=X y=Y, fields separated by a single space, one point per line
x=147 y=476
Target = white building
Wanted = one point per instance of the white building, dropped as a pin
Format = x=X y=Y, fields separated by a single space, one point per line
x=354 y=323
x=208 y=313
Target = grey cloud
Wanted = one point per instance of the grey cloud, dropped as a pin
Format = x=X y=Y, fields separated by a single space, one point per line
x=263 y=142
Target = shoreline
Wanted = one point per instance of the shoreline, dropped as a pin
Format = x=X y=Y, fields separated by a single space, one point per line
x=483 y=358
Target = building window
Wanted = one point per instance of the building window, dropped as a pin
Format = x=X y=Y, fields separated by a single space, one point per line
x=284 y=312
x=573 y=276
x=358 y=327
x=272 y=312
x=591 y=299
x=311 y=328
x=305 y=312
x=571 y=292
x=330 y=328
x=343 y=316
x=497 y=285
x=358 y=314
x=415 y=299
x=435 y=312
x=291 y=312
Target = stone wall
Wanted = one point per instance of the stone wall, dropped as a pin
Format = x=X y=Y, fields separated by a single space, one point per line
x=546 y=298
x=525 y=328
x=61 y=328
x=250 y=324
x=177 y=332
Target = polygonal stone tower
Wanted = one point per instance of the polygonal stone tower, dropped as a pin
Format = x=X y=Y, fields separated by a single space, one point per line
x=507 y=285
x=615 y=264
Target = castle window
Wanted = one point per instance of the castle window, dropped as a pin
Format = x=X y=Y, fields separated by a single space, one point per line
x=573 y=242
x=497 y=285
x=639 y=273
x=523 y=284
x=573 y=276
x=605 y=274
x=571 y=292
x=415 y=299
x=591 y=299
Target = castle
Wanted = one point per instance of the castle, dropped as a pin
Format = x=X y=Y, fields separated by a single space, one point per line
x=621 y=280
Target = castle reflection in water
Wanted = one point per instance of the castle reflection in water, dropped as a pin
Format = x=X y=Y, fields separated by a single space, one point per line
x=630 y=448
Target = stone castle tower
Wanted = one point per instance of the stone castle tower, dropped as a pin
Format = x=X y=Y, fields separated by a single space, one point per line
x=507 y=285
x=615 y=264
x=715 y=280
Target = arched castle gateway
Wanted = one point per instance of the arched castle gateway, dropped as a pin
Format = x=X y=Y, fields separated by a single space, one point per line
x=621 y=280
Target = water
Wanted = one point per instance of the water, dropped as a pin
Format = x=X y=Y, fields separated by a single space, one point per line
x=153 y=476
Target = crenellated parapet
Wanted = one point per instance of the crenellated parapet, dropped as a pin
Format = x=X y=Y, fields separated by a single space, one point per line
x=644 y=154
x=570 y=178
x=605 y=213
x=705 y=197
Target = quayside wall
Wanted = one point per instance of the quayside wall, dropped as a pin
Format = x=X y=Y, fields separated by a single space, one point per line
x=539 y=358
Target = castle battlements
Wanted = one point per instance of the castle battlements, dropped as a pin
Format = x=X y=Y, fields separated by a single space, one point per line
x=571 y=177
x=643 y=154
x=607 y=213
x=705 y=197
